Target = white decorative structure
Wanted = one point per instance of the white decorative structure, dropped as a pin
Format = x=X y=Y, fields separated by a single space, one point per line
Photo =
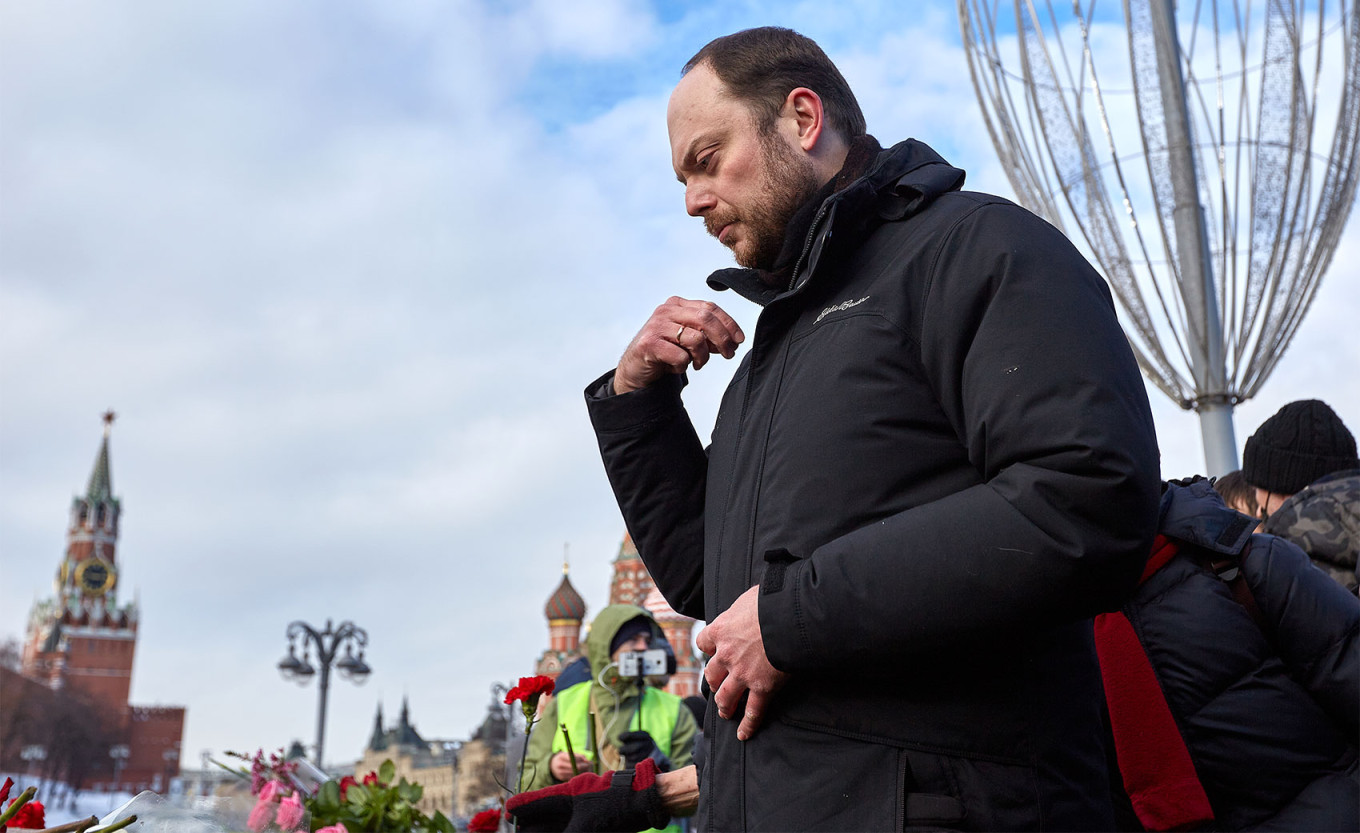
x=1207 y=156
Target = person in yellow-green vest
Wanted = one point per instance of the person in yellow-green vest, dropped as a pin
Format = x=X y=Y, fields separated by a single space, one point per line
x=630 y=724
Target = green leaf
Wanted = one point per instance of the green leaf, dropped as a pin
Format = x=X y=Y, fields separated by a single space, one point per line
x=387 y=771
x=356 y=794
x=329 y=796
x=441 y=824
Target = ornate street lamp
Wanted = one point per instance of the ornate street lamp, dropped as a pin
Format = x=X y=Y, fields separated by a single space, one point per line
x=328 y=644
x=120 y=753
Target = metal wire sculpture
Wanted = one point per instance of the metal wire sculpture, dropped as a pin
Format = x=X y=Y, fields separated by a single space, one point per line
x=1191 y=150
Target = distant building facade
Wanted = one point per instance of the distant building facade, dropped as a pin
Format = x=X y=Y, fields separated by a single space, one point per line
x=457 y=778
x=82 y=643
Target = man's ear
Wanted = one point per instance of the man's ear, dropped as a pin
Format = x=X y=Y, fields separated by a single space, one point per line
x=804 y=107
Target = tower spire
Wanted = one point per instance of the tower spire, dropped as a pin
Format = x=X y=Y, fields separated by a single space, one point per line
x=101 y=478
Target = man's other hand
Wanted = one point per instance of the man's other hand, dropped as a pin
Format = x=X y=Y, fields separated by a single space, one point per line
x=634 y=746
x=561 y=765
x=678 y=334
x=739 y=664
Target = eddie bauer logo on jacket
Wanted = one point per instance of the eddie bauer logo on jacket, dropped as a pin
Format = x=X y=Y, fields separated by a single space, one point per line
x=839 y=308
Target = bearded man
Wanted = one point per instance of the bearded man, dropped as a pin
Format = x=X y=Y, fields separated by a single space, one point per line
x=935 y=463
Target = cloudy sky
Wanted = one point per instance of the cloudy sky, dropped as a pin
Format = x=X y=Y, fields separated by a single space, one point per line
x=343 y=271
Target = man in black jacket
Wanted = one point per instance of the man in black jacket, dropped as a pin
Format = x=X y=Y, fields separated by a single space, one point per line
x=935 y=463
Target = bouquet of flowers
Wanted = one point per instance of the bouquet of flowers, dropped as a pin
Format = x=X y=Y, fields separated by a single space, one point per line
x=286 y=801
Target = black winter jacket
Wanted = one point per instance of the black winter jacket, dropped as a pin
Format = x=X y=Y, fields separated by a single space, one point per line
x=938 y=459
x=1271 y=717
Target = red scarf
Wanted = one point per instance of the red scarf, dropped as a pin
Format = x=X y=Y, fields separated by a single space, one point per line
x=1158 y=774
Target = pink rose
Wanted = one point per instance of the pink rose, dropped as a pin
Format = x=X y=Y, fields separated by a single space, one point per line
x=291 y=812
x=334 y=828
x=271 y=791
x=261 y=816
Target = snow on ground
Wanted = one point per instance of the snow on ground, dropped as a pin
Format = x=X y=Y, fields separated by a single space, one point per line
x=85 y=803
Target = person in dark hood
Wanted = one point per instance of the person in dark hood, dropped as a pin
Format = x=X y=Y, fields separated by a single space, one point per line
x=631 y=723
x=935 y=464
x=1302 y=462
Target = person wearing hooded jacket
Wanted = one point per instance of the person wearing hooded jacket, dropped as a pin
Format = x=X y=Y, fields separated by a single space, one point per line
x=935 y=463
x=1267 y=705
x=630 y=724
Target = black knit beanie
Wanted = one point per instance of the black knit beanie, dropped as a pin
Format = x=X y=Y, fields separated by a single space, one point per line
x=1304 y=441
x=628 y=630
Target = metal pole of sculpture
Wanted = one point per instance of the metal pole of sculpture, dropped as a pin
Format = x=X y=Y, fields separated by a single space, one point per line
x=1215 y=245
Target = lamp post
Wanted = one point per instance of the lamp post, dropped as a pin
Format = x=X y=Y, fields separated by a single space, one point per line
x=328 y=643
x=33 y=752
x=120 y=753
x=171 y=758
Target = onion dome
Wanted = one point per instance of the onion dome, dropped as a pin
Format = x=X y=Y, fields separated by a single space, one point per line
x=565 y=602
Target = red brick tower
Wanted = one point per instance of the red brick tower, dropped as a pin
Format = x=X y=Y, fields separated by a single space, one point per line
x=83 y=642
x=631 y=582
x=81 y=639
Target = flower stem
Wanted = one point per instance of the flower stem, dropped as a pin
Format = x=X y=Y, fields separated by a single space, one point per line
x=571 y=753
x=15 y=805
x=75 y=826
x=524 y=753
x=117 y=825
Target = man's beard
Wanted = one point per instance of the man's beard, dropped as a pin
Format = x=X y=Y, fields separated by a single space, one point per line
x=789 y=181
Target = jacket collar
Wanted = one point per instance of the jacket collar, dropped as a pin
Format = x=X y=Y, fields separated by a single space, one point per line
x=891 y=185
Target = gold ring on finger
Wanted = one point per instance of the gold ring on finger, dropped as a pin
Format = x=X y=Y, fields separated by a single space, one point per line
x=679 y=333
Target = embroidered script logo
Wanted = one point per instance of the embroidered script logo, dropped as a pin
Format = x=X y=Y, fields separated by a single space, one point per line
x=840 y=308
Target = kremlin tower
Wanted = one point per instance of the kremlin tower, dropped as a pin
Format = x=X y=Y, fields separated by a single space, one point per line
x=80 y=643
x=82 y=639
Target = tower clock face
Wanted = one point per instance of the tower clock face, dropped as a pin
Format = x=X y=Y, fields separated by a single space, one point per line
x=95 y=577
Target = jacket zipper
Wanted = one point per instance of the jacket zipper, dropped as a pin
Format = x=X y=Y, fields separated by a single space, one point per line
x=807 y=246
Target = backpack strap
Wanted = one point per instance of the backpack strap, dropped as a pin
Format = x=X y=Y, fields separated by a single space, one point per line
x=1228 y=568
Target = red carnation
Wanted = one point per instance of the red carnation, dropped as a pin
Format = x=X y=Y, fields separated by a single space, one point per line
x=29 y=817
x=345 y=784
x=528 y=691
x=4 y=791
x=371 y=779
x=489 y=821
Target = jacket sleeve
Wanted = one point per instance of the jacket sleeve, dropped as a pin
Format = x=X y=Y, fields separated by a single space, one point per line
x=657 y=468
x=1020 y=342
x=1315 y=624
x=537 y=772
x=682 y=738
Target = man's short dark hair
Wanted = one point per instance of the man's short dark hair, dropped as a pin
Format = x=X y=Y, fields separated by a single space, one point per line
x=762 y=66
x=1235 y=490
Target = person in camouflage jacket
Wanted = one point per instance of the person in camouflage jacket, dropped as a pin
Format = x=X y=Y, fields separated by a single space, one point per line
x=1302 y=462
x=1324 y=521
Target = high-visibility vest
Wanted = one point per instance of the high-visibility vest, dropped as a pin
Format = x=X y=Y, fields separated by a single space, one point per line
x=656 y=714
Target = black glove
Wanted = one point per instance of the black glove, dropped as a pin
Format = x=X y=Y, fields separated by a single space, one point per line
x=635 y=746
x=623 y=800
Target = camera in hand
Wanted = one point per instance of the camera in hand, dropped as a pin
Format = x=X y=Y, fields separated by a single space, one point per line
x=654 y=662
